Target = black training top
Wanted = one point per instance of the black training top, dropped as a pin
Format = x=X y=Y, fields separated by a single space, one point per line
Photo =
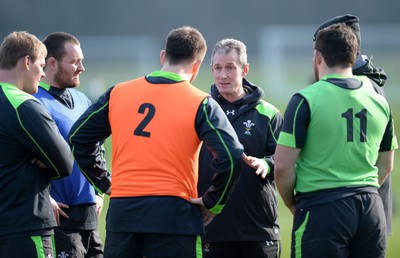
x=28 y=131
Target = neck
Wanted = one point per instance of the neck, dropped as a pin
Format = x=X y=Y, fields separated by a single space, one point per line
x=49 y=80
x=235 y=95
x=185 y=71
x=12 y=77
x=336 y=70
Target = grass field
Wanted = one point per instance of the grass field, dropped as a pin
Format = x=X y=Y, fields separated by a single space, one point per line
x=100 y=78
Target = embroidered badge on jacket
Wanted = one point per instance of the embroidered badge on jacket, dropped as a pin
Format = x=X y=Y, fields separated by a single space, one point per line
x=247 y=126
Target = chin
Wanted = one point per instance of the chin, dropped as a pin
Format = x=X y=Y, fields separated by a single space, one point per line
x=73 y=84
x=33 y=90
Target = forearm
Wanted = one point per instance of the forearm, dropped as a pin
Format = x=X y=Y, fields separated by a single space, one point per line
x=86 y=139
x=92 y=163
x=385 y=165
x=285 y=174
x=285 y=182
x=219 y=137
x=42 y=138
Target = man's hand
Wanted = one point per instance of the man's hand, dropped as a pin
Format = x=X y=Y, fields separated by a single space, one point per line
x=99 y=204
x=38 y=163
x=208 y=216
x=108 y=192
x=260 y=165
x=292 y=208
x=57 y=210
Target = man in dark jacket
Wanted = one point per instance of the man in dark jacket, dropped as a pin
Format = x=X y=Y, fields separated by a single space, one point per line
x=248 y=226
x=32 y=151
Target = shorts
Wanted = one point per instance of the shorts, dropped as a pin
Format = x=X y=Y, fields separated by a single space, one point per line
x=354 y=227
x=242 y=249
x=78 y=243
x=28 y=246
x=151 y=245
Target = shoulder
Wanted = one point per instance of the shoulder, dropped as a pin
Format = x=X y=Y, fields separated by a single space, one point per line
x=316 y=91
x=312 y=88
x=78 y=93
x=197 y=91
x=42 y=94
x=266 y=108
x=130 y=82
x=372 y=88
x=17 y=97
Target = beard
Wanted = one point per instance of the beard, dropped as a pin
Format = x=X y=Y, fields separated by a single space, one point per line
x=62 y=78
x=316 y=76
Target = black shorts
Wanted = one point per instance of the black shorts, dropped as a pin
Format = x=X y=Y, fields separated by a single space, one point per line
x=151 y=245
x=242 y=249
x=349 y=227
x=28 y=246
x=74 y=243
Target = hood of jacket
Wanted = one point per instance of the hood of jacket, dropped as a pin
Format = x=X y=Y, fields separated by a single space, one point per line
x=364 y=66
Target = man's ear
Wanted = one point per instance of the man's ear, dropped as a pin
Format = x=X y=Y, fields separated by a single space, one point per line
x=51 y=63
x=162 y=57
x=317 y=57
x=246 y=69
x=26 y=61
x=196 y=66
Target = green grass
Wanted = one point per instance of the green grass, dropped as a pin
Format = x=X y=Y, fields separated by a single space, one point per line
x=101 y=78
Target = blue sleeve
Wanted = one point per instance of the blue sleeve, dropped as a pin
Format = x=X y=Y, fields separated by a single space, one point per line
x=86 y=139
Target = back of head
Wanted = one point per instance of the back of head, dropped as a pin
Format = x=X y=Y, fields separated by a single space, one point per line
x=225 y=46
x=55 y=43
x=350 y=20
x=19 y=44
x=363 y=65
x=184 y=45
x=338 y=45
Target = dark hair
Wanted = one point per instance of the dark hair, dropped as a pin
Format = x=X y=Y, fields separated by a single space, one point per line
x=338 y=45
x=184 y=44
x=55 y=43
x=350 y=20
x=18 y=44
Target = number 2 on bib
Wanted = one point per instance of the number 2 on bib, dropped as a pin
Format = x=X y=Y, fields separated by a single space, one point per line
x=149 y=110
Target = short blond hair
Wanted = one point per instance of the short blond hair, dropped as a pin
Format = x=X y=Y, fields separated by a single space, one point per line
x=18 y=44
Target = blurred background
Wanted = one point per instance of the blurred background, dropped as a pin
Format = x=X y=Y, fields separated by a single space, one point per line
x=122 y=40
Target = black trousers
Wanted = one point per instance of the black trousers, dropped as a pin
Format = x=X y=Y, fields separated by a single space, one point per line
x=242 y=249
x=151 y=245
x=353 y=227
x=78 y=243
x=27 y=246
